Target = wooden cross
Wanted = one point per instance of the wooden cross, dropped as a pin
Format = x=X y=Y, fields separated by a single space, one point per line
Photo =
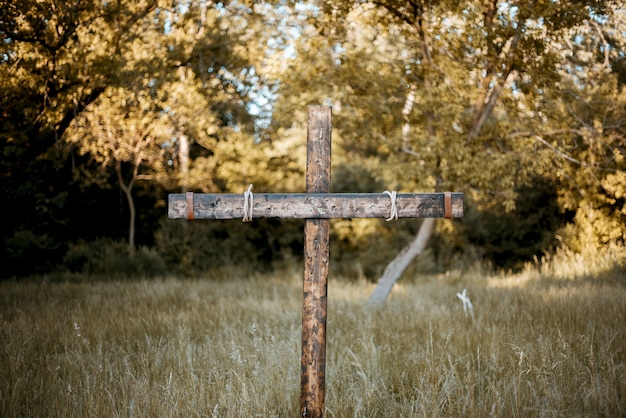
x=317 y=206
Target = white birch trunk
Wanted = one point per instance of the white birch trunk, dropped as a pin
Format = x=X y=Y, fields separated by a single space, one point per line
x=183 y=159
x=484 y=109
x=394 y=270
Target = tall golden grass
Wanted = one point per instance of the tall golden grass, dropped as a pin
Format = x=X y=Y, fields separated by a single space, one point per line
x=547 y=342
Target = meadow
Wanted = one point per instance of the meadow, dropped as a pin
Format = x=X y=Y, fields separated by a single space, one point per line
x=549 y=341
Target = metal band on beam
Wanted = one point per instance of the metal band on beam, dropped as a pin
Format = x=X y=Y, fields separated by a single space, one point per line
x=189 y=205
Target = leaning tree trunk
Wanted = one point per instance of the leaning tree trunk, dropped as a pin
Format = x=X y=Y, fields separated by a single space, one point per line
x=394 y=270
x=483 y=110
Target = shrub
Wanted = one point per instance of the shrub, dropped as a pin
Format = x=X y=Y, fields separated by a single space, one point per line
x=26 y=253
x=113 y=259
x=209 y=246
x=508 y=239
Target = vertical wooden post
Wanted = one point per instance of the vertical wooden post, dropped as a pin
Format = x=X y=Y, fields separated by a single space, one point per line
x=316 y=254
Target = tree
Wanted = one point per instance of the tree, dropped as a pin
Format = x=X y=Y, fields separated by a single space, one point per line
x=447 y=83
x=56 y=58
x=582 y=128
x=126 y=132
x=127 y=84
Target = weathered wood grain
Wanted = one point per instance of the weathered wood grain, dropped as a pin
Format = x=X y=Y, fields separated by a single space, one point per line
x=315 y=205
x=316 y=258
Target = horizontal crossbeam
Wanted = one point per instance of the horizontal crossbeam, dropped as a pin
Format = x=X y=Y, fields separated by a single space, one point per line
x=316 y=205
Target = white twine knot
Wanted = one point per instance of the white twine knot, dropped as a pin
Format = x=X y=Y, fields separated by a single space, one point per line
x=394 y=209
x=248 y=204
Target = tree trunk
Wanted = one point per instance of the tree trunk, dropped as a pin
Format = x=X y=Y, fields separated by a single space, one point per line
x=183 y=159
x=131 y=227
x=484 y=109
x=128 y=192
x=394 y=270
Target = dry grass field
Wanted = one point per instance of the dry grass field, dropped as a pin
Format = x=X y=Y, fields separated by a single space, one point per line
x=547 y=342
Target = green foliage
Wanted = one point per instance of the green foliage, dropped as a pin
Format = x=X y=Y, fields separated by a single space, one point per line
x=154 y=96
x=207 y=248
x=504 y=93
x=27 y=253
x=102 y=89
x=57 y=59
x=361 y=248
x=113 y=260
x=591 y=184
x=508 y=239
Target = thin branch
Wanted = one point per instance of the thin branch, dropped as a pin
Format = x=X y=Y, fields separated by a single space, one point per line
x=409 y=151
x=485 y=111
x=549 y=133
x=559 y=152
x=563 y=154
x=606 y=62
x=397 y=12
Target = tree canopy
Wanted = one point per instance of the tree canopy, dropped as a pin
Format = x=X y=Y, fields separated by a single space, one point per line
x=108 y=106
x=490 y=98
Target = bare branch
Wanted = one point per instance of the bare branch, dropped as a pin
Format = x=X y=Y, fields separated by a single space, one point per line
x=606 y=62
x=559 y=152
x=492 y=98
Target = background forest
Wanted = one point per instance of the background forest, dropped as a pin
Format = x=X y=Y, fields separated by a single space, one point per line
x=106 y=107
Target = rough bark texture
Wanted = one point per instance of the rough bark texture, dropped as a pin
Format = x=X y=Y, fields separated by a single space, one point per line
x=317 y=205
x=316 y=255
